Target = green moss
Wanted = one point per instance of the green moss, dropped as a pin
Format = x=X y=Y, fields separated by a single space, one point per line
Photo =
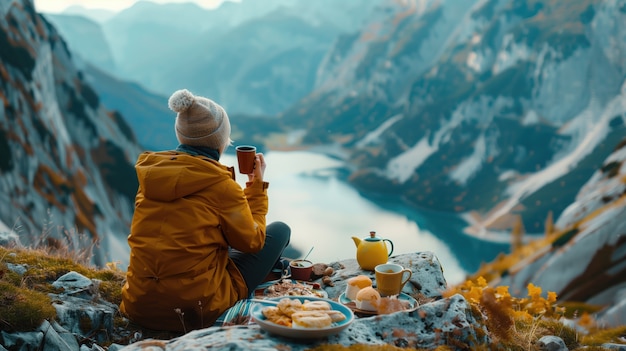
x=43 y=268
x=22 y=309
x=111 y=291
x=574 y=308
x=599 y=337
x=107 y=275
x=24 y=302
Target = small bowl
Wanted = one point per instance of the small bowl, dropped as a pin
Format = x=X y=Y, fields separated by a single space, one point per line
x=301 y=269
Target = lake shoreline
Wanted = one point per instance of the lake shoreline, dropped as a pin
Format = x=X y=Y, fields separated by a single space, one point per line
x=455 y=222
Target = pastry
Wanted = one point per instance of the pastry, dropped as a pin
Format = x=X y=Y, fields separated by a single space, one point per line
x=308 y=314
x=289 y=306
x=311 y=319
x=316 y=305
x=274 y=315
x=367 y=299
x=355 y=284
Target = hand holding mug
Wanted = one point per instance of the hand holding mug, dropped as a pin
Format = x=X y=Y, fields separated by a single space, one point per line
x=259 y=168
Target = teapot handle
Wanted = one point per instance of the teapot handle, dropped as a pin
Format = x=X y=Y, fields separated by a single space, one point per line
x=390 y=243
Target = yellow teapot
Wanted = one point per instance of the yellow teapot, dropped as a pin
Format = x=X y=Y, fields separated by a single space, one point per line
x=372 y=251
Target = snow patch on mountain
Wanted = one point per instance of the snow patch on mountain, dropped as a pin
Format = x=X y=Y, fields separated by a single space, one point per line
x=374 y=136
x=592 y=133
x=530 y=118
x=476 y=61
x=511 y=54
x=472 y=164
x=482 y=109
x=403 y=166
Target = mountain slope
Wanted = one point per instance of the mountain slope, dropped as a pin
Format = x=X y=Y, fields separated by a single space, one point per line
x=582 y=257
x=88 y=39
x=147 y=113
x=491 y=109
x=67 y=165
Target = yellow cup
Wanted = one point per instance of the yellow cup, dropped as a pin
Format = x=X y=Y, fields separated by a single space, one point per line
x=390 y=278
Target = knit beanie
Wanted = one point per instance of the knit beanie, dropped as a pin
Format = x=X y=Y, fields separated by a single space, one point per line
x=200 y=121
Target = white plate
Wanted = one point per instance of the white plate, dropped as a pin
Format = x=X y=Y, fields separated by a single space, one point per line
x=308 y=333
x=412 y=304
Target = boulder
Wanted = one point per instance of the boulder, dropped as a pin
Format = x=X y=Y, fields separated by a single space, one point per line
x=80 y=309
x=49 y=337
x=437 y=321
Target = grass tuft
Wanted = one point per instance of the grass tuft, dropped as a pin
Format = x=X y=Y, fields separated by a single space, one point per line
x=23 y=309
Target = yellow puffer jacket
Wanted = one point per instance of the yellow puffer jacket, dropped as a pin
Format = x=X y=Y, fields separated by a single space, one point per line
x=188 y=211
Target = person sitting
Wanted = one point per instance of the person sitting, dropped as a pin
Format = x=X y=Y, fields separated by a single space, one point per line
x=198 y=240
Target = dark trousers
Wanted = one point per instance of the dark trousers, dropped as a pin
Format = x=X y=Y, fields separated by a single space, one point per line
x=255 y=267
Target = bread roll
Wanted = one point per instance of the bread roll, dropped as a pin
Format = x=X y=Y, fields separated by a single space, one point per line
x=355 y=284
x=367 y=299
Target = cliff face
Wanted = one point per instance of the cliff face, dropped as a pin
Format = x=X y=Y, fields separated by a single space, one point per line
x=67 y=162
x=583 y=254
x=496 y=107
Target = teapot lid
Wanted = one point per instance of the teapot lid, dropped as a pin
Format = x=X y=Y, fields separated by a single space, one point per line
x=373 y=237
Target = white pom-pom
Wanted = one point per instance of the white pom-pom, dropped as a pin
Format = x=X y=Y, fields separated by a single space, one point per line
x=181 y=100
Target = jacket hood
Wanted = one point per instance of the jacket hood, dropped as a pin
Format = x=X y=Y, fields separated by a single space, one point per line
x=170 y=175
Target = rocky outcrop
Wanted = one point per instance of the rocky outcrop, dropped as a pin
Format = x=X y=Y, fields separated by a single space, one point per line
x=84 y=320
x=432 y=324
x=435 y=322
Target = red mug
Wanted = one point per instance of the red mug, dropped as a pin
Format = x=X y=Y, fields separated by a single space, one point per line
x=246 y=155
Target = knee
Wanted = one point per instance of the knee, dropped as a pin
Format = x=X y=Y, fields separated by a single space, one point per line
x=279 y=230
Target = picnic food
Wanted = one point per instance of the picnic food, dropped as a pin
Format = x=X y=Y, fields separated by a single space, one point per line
x=297 y=314
x=274 y=315
x=316 y=306
x=286 y=287
x=367 y=299
x=355 y=284
x=311 y=319
x=289 y=306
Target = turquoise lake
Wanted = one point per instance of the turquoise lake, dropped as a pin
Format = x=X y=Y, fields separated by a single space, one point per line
x=324 y=212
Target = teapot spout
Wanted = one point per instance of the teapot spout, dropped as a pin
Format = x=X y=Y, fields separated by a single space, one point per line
x=357 y=241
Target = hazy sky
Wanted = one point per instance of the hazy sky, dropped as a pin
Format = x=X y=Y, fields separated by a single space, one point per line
x=113 y=5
